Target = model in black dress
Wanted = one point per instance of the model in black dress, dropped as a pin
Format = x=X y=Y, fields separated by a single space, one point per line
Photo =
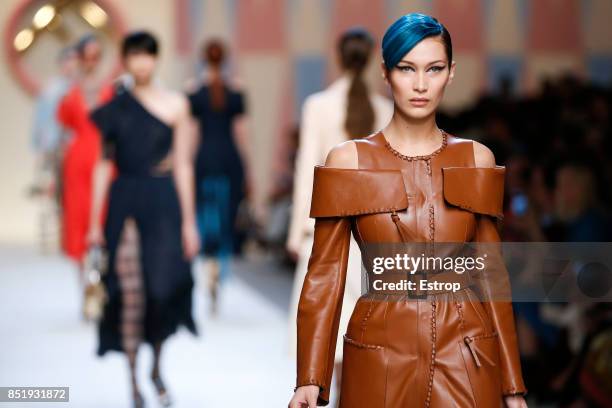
x=147 y=235
x=138 y=142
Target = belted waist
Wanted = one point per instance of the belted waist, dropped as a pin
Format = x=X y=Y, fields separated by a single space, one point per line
x=418 y=284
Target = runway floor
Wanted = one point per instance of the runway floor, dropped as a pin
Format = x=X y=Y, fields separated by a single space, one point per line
x=240 y=358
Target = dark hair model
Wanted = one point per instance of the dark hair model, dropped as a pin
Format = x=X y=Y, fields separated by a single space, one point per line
x=139 y=41
x=213 y=53
x=354 y=50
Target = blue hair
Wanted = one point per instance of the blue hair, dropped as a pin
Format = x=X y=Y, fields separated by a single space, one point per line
x=408 y=31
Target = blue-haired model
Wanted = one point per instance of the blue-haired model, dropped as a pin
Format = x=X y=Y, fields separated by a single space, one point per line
x=408 y=31
x=446 y=338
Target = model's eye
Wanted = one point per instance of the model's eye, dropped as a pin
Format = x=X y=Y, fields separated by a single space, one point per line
x=404 y=68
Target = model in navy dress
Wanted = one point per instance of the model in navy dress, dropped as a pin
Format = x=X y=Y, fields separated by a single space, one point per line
x=218 y=160
x=219 y=169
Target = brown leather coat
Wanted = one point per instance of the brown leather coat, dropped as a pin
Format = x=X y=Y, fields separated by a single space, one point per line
x=443 y=351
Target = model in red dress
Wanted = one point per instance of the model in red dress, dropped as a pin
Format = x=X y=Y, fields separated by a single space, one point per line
x=82 y=151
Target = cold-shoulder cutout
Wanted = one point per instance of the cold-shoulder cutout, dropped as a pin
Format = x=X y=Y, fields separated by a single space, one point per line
x=343 y=156
x=483 y=156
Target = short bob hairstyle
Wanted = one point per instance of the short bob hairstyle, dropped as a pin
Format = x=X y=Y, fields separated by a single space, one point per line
x=139 y=42
x=407 y=32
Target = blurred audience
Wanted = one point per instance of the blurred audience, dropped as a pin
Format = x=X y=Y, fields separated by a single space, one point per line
x=555 y=146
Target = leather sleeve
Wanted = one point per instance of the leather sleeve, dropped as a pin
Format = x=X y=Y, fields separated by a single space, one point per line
x=321 y=303
x=337 y=196
x=481 y=190
x=495 y=288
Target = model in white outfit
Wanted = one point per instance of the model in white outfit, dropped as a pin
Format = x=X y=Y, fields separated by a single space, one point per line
x=322 y=127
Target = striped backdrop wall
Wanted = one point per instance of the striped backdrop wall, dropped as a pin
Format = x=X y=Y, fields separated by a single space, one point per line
x=284 y=50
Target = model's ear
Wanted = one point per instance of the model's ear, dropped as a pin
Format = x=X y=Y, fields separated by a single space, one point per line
x=451 y=75
x=385 y=72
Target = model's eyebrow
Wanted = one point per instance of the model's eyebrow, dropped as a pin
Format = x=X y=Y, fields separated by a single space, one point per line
x=433 y=62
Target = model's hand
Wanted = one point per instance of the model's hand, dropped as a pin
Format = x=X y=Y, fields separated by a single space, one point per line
x=515 y=401
x=305 y=397
x=95 y=236
x=292 y=252
x=191 y=240
x=292 y=246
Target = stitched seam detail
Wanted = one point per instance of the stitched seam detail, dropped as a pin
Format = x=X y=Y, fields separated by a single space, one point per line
x=433 y=353
x=364 y=321
x=385 y=354
x=369 y=210
x=461 y=316
x=362 y=345
x=432 y=225
x=483 y=336
x=432 y=361
x=419 y=157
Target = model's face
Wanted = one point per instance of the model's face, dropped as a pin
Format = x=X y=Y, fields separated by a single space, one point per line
x=419 y=79
x=69 y=66
x=141 y=66
x=90 y=58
